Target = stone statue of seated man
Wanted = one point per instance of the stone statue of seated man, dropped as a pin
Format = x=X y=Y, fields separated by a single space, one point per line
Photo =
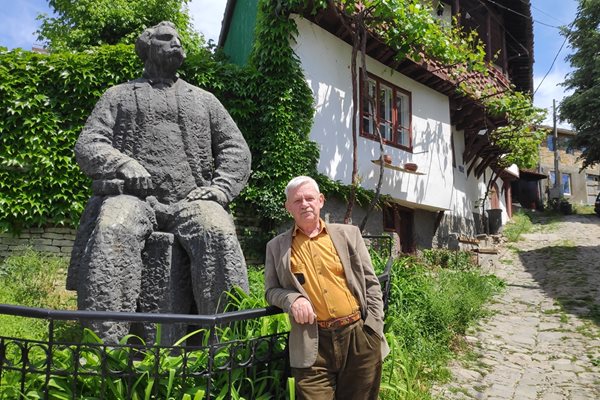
x=166 y=159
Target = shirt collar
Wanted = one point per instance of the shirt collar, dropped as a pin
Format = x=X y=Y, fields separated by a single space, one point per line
x=322 y=228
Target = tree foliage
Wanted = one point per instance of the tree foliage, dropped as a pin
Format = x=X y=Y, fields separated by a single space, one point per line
x=520 y=138
x=82 y=24
x=582 y=107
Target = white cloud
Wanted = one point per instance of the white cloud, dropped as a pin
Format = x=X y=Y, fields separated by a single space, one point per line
x=207 y=16
x=549 y=90
x=19 y=24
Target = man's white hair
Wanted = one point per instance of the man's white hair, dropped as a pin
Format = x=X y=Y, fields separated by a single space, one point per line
x=300 y=180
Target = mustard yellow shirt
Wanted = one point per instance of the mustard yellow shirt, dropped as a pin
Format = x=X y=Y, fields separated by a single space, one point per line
x=316 y=264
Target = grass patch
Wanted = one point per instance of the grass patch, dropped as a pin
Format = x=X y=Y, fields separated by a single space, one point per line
x=518 y=225
x=35 y=280
x=583 y=209
x=429 y=307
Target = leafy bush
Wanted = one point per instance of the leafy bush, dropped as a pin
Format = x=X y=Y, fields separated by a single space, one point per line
x=118 y=372
x=444 y=258
x=44 y=101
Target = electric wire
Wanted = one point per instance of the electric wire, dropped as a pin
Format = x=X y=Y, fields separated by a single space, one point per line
x=568 y=29
x=521 y=14
x=518 y=42
x=559 y=50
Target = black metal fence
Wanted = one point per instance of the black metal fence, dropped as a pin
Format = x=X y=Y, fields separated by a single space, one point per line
x=224 y=356
x=205 y=365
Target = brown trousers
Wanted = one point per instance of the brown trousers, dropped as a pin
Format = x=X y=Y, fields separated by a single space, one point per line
x=348 y=366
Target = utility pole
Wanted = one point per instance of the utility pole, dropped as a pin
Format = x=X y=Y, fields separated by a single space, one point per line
x=557 y=177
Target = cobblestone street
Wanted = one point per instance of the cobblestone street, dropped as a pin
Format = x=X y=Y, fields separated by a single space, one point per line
x=542 y=341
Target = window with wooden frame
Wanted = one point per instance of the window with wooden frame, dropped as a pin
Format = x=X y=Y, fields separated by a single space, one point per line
x=388 y=107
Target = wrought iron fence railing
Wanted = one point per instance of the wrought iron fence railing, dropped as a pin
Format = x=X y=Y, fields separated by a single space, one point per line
x=224 y=356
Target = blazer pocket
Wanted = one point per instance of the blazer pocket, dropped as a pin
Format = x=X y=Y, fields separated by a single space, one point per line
x=300 y=277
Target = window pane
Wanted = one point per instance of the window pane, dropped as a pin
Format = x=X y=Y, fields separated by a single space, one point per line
x=550 y=142
x=385 y=129
x=403 y=138
x=385 y=102
x=402 y=119
x=385 y=111
x=566 y=182
x=368 y=126
x=367 y=105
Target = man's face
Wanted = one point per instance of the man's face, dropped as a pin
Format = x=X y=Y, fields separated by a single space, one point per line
x=165 y=47
x=305 y=203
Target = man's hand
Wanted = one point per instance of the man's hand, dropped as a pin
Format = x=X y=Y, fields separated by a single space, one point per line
x=135 y=176
x=208 y=193
x=302 y=311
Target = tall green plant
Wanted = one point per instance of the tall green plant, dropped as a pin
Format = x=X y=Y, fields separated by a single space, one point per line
x=430 y=304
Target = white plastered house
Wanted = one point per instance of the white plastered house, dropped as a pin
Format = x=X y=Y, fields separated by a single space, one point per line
x=423 y=118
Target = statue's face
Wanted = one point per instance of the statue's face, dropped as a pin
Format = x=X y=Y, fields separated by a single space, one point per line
x=165 y=48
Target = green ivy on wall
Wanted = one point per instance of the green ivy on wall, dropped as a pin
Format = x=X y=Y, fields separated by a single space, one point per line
x=44 y=101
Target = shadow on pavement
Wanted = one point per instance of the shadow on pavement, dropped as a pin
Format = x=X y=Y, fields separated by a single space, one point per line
x=570 y=275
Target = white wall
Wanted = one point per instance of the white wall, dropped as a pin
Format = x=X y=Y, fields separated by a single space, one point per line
x=326 y=63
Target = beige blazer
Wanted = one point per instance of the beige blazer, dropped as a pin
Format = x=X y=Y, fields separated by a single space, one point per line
x=282 y=288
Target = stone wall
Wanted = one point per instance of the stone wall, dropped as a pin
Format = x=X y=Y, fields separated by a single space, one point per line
x=59 y=240
x=53 y=240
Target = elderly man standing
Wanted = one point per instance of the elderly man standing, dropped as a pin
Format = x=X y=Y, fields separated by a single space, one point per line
x=165 y=156
x=321 y=274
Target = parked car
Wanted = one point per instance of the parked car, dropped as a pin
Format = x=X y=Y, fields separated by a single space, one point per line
x=597 y=205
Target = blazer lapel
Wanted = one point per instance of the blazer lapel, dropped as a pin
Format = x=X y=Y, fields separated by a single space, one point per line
x=340 y=243
x=285 y=251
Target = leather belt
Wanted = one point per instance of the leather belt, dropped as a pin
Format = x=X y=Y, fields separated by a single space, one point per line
x=335 y=323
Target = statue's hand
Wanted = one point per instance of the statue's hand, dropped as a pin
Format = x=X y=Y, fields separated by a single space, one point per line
x=135 y=176
x=208 y=193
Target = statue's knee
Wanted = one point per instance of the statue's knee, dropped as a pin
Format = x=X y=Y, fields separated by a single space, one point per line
x=125 y=215
x=207 y=215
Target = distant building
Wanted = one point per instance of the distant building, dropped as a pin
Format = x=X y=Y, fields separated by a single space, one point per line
x=578 y=186
x=39 y=49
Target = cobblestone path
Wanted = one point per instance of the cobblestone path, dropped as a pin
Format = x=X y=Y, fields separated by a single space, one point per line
x=542 y=341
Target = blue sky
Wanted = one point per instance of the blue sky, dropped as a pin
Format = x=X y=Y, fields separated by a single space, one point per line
x=18 y=24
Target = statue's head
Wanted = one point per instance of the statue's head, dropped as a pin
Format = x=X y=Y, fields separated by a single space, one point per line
x=160 y=45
